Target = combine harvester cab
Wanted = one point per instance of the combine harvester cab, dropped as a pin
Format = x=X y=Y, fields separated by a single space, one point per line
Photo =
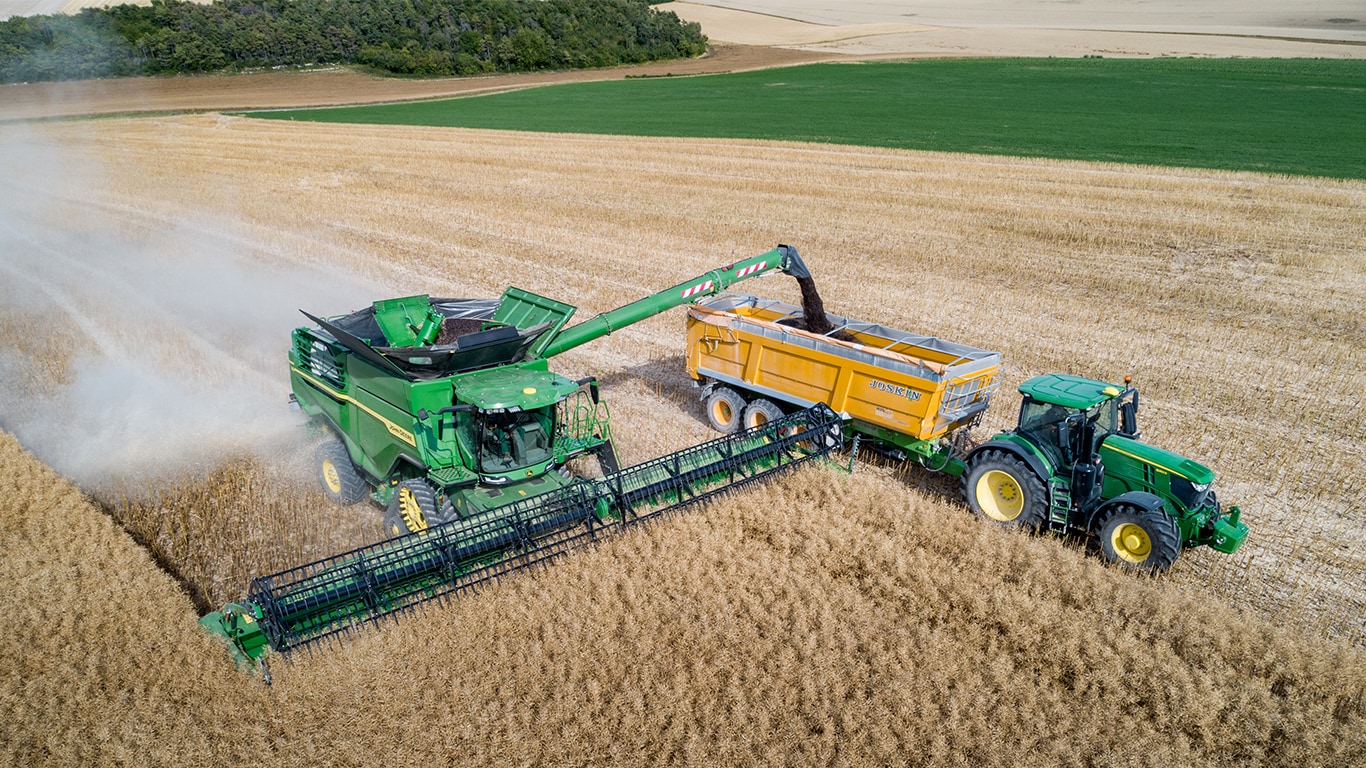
x=1075 y=462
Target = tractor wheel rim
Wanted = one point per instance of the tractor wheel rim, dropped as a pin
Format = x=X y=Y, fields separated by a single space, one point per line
x=331 y=477
x=1131 y=543
x=760 y=418
x=723 y=412
x=1000 y=496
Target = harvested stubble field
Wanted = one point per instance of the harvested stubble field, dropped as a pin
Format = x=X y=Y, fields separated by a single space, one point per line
x=826 y=619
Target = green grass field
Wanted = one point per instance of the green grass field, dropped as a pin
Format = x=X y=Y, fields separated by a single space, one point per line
x=1293 y=116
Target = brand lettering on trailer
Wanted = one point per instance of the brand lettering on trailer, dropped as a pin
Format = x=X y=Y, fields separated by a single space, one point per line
x=700 y=287
x=909 y=394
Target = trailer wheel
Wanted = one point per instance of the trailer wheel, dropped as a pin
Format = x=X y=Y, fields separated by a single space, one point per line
x=724 y=406
x=340 y=480
x=1001 y=488
x=1141 y=539
x=761 y=411
x=412 y=509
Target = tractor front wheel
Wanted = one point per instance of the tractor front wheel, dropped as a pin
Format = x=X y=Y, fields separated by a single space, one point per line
x=724 y=406
x=341 y=482
x=1002 y=489
x=1141 y=539
x=413 y=509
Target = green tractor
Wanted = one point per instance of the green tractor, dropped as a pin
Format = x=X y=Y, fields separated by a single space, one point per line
x=1075 y=461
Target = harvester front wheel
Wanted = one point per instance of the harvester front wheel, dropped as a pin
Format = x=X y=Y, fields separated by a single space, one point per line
x=341 y=482
x=761 y=411
x=724 y=406
x=1142 y=539
x=1001 y=488
x=412 y=509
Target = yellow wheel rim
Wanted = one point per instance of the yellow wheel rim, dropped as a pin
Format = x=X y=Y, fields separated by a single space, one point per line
x=1131 y=542
x=411 y=511
x=723 y=412
x=999 y=496
x=331 y=477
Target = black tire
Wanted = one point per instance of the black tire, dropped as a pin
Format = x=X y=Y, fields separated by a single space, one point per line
x=412 y=509
x=1004 y=490
x=340 y=480
x=761 y=411
x=1141 y=539
x=724 y=406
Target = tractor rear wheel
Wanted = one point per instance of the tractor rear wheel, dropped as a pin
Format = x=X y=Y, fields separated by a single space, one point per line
x=413 y=509
x=724 y=406
x=341 y=482
x=1004 y=490
x=761 y=411
x=1141 y=539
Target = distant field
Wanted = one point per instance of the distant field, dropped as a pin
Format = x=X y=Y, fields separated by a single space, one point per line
x=1280 y=116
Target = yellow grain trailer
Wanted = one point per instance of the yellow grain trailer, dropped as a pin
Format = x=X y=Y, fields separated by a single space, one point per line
x=905 y=390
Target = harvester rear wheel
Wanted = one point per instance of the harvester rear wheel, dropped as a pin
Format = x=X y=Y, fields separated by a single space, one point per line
x=761 y=411
x=724 y=406
x=1001 y=488
x=1141 y=539
x=340 y=480
x=412 y=509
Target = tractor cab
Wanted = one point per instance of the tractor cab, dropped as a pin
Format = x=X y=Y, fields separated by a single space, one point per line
x=1068 y=417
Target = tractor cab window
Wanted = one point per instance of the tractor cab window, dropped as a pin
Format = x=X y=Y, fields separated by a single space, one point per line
x=1041 y=420
x=1103 y=416
x=511 y=441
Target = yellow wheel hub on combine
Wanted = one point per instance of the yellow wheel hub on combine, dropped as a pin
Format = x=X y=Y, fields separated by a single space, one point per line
x=1131 y=542
x=999 y=495
x=411 y=510
x=330 y=476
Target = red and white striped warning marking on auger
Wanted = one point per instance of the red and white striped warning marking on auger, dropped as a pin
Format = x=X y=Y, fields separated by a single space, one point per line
x=700 y=287
x=707 y=286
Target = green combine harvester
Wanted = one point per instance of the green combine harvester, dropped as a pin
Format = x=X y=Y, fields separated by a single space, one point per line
x=446 y=413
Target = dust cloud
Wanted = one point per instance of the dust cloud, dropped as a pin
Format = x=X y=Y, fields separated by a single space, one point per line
x=138 y=345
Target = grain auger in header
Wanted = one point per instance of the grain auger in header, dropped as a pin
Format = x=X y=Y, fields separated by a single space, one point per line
x=445 y=412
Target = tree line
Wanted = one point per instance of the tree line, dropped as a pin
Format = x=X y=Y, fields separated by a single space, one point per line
x=401 y=37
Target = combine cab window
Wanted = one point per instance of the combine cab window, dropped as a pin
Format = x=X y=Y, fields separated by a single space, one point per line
x=512 y=441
